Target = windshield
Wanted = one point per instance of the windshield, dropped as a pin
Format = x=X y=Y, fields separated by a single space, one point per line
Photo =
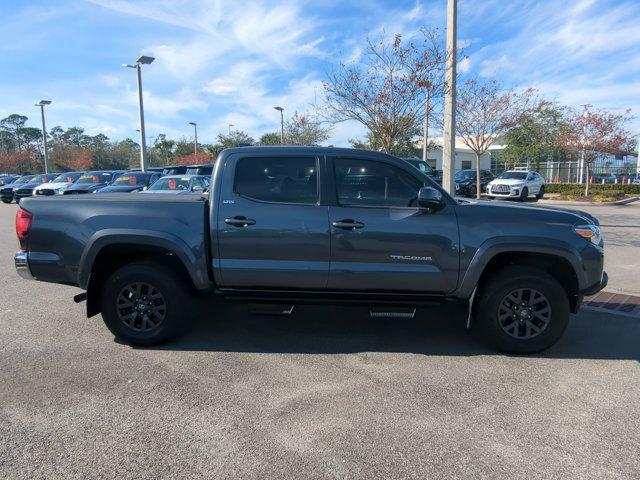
x=41 y=179
x=67 y=178
x=25 y=179
x=132 y=179
x=513 y=175
x=465 y=174
x=93 y=178
x=171 y=184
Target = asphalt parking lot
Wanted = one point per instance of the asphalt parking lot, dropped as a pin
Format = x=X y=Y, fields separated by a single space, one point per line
x=326 y=393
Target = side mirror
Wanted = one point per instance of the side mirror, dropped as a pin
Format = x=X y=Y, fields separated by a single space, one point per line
x=430 y=198
x=145 y=188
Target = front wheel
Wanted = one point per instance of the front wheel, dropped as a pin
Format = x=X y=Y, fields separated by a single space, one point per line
x=524 y=194
x=540 y=194
x=522 y=310
x=6 y=200
x=145 y=304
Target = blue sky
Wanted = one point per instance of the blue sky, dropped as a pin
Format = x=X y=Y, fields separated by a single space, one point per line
x=221 y=62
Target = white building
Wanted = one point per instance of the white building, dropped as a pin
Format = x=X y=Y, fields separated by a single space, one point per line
x=465 y=158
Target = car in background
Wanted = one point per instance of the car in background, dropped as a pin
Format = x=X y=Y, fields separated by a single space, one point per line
x=421 y=165
x=58 y=185
x=91 y=182
x=606 y=178
x=175 y=170
x=26 y=190
x=8 y=179
x=466 y=181
x=180 y=184
x=204 y=169
x=131 y=182
x=6 y=192
x=518 y=184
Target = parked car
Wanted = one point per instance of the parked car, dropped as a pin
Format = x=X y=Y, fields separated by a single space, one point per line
x=421 y=165
x=8 y=179
x=58 y=185
x=131 y=182
x=204 y=169
x=466 y=181
x=175 y=170
x=313 y=224
x=606 y=178
x=517 y=184
x=180 y=184
x=7 y=191
x=91 y=182
x=26 y=190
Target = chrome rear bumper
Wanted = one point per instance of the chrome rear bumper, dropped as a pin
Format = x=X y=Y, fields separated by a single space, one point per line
x=21 y=261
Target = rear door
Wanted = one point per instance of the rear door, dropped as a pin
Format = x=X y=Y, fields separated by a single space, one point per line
x=272 y=230
x=380 y=240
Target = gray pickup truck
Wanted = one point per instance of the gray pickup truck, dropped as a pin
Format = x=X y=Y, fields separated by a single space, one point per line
x=286 y=225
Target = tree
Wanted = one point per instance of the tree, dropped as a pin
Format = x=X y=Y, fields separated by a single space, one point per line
x=164 y=147
x=596 y=134
x=536 y=137
x=302 y=130
x=194 y=159
x=385 y=92
x=403 y=147
x=485 y=112
x=272 y=138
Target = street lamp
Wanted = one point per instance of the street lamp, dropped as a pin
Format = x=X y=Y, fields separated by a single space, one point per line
x=280 y=109
x=229 y=131
x=143 y=60
x=41 y=104
x=449 y=131
x=195 y=133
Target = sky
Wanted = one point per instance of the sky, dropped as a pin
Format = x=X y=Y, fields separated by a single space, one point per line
x=224 y=62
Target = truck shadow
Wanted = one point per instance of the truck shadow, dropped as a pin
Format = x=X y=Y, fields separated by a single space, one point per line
x=434 y=331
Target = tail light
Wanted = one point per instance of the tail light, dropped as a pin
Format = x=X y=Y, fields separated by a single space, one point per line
x=23 y=227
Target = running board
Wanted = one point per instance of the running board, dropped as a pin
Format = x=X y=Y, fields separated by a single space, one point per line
x=381 y=312
x=273 y=310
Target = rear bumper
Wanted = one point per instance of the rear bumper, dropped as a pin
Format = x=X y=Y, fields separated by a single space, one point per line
x=21 y=261
x=593 y=289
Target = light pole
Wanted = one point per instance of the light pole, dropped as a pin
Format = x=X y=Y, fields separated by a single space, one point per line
x=281 y=110
x=143 y=60
x=195 y=133
x=584 y=141
x=230 y=125
x=425 y=131
x=449 y=140
x=41 y=104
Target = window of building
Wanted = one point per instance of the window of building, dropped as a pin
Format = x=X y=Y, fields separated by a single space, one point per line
x=466 y=164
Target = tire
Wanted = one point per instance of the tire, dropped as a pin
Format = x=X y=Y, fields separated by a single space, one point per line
x=540 y=194
x=6 y=200
x=169 y=312
x=501 y=325
x=524 y=194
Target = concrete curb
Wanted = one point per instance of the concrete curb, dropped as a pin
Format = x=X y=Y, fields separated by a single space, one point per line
x=573 y=202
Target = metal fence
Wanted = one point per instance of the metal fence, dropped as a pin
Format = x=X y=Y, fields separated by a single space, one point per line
x=569 y=172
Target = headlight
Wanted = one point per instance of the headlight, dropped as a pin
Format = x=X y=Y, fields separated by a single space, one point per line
x=590 y=232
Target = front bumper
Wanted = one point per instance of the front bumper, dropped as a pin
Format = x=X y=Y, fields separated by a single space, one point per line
x=595 y=288
x=21 y=261
x=513 y=193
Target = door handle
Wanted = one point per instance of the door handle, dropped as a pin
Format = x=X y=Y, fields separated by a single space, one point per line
x=347 y=224
x=240 y=221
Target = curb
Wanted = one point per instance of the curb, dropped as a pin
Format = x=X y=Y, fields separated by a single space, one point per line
x=573 y=202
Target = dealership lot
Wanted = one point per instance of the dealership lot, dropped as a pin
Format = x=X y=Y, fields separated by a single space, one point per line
x=326 y=393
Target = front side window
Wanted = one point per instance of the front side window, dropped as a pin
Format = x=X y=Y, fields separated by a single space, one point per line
x=278 y=180
x=374 y=184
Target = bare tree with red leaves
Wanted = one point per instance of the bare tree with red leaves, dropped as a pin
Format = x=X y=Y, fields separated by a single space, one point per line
x=485 y=112
x=596 y=134
x=385 y=89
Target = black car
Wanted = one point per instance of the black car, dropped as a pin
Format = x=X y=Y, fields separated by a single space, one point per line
x=131 y=182
x=6 y=191
x=92 y=181
x=26 y=190
x=204 y=169
x=466 y=181
x=174 y=170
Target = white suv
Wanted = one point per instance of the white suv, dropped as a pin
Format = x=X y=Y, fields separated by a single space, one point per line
x=517 y=184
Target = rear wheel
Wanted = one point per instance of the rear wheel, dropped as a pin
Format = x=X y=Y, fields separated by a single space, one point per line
x=6 y=200
x=522 y=310
x=540 y=194
x=145 y=304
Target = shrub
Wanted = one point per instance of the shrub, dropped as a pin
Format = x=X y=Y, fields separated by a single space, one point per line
x=594 y=188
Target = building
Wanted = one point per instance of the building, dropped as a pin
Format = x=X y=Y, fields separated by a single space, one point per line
x=465 y=158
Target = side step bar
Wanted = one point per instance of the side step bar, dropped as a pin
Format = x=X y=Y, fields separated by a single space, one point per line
x=273 y=310
x=392 y=312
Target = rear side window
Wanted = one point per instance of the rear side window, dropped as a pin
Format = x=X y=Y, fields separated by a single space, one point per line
x=374 y=184
x=278 y=180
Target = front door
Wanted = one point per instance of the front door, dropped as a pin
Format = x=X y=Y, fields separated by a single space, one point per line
x=272 y=231
x=380 y=240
